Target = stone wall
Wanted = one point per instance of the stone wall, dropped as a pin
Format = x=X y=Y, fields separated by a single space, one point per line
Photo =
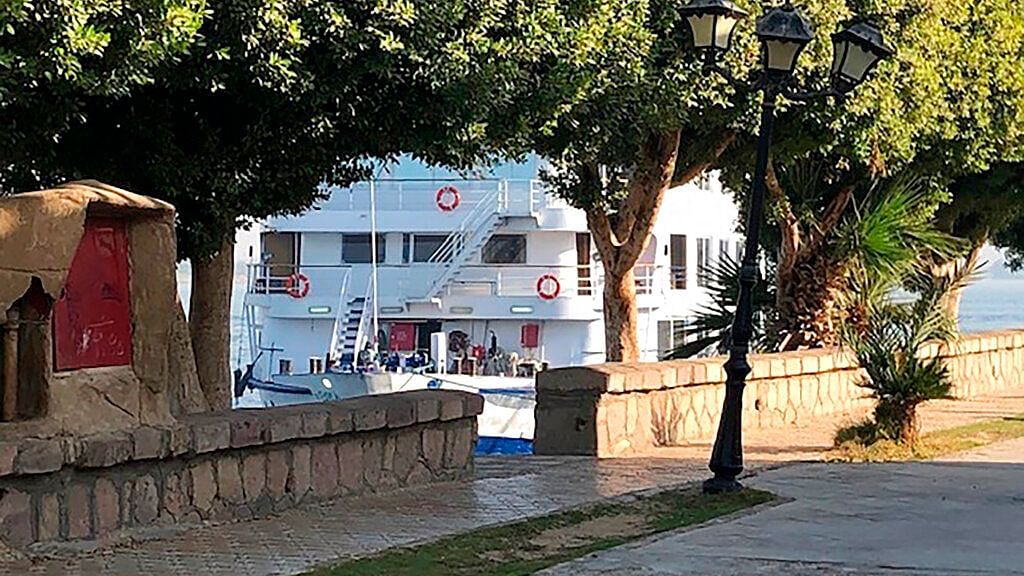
x=230 y=465
x=616 y=409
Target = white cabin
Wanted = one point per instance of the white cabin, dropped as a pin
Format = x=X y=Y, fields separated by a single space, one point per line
x=504 y=258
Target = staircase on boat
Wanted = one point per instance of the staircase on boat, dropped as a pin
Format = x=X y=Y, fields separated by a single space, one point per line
x=464 y=242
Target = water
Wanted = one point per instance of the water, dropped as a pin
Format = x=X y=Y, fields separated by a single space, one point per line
x=995 y=303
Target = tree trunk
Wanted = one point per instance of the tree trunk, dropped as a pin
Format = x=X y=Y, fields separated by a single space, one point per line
x=909 y=426
x=952 y=269
x=209 y=322
x=620 y=317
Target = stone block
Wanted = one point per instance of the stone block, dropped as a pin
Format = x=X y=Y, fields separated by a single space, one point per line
x=277 y=473
x=79 y=498
x=458 y=447
x=48 y=520
x=428 y=409
x=229 y=480
x=314 y=423
x=350 y=464
x=715 y=371
x=761 y=367
x=108 y=506
x=325 y=470
x=433 y=448
x=406 y=454
x=175 y=500
x=16 y=517
x=809 y=363
x=339 y=418
x=700 y=372
x=103 y=450
x=285 y=425
x=248 y=429
x=148 y=443
x=599 y=378
x=204 y=485
x=254 y=475
x=684 y=373
x=299 y=480
x=210 y=435
x=146 y=500
x=39 y=456
x=367 y=416
x=8 y=452
x=794 y=365
x=474 y=405
x=452 y=407
x=373 y=460
x=180 y=440
x=400 y=413
x=777 y=368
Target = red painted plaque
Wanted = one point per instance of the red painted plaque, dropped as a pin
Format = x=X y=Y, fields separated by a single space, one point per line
x=403 y=337
x=92 y=318
x=529 y=336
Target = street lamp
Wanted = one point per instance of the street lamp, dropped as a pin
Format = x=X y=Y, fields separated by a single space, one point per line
x=783 y=33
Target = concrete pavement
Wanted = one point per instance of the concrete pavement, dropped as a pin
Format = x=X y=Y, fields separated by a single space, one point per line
x=960 y=516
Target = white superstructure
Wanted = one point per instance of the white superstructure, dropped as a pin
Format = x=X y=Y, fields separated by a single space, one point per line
x=479 y=267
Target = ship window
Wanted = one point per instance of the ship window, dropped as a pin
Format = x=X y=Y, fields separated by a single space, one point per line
x=505 y=249
x=585 y=283
x=671 y=335
x=424 y=246
x=281 y=253
x=723 y=250
x=355 y=248
x=677 y=257
x=703 y=261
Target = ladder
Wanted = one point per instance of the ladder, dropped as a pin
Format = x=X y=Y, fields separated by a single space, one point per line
x=468 y=239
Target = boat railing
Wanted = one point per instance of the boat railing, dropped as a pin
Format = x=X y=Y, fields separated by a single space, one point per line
x=274 y=278
x=521 y=197
x=526 y=280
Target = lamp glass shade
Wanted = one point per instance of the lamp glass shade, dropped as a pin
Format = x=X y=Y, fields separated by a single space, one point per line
x=703 y=27
x=781 y=56
x=851 y=62
x=724 y=28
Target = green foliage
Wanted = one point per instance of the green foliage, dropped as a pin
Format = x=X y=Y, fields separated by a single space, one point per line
x=889 y=346
x=712 y=323
x=281 y=97
x=891 y=234
x=54 y=52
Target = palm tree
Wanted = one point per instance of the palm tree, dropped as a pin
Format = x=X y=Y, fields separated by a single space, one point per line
x=884 y=236
x=888 y=342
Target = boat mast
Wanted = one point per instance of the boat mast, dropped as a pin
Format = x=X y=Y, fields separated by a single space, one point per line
x=373 y=262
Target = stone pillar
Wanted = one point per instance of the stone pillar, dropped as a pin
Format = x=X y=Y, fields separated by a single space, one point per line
x=10 y=407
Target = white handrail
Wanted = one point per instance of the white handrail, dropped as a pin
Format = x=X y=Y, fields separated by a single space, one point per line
x=339 y=317
x=361 y=329
x=491 y=204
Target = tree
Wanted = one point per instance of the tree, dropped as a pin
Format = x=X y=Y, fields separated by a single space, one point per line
x=53 y=52
x=948 y=104
x=283 y=97
x=987 y=206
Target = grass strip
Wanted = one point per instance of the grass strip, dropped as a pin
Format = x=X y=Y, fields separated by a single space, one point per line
x=931 y=445
x=530 y=545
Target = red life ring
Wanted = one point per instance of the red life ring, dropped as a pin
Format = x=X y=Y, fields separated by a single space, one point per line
x=548 y=292
x=443 y=201
x=297 y=285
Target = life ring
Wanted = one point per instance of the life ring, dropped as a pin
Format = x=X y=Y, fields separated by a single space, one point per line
x=297 y=285
x=548 y=287
x=448 y=198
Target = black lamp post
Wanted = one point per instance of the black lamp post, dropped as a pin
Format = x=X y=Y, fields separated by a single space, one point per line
x=784 y=33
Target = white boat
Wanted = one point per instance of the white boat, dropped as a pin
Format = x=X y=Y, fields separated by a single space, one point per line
x=505 y=271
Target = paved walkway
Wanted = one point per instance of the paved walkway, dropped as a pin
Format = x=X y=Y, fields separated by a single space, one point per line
x=505 y=489
x=958 y=517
